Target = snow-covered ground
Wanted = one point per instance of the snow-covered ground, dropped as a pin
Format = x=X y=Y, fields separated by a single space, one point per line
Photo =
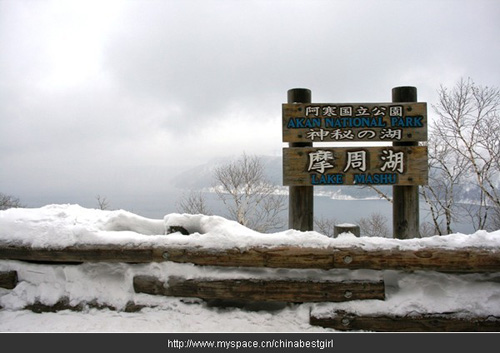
x=57 y=226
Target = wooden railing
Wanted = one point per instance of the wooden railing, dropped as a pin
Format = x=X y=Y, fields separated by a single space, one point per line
x=462 y=260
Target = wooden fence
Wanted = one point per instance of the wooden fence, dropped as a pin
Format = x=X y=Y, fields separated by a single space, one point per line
x=466 y=260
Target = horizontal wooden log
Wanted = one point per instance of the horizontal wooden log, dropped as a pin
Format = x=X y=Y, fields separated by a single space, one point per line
x=262 y=290
x=64 y=304
x=430 y=322
x=275 y=257
x=8 y=280
x=79 y=254
x=430 y=259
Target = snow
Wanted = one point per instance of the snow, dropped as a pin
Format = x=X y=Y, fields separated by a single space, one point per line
x=58 y=226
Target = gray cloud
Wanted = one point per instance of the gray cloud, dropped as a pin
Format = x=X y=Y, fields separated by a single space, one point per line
x=116 y=95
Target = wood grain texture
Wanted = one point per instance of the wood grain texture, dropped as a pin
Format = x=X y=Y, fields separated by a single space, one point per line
x=408 y=133
x=415 y=322
x=78 y=254
x=300 y=198
x=297 y=165
x=65 y=304
x=432 y=259
x=262 y=290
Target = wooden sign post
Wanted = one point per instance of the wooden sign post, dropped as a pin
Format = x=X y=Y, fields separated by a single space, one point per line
x=301 y=198
x=402 y=163
x=405 y=199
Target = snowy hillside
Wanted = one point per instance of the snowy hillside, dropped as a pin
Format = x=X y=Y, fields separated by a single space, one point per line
x=201 y=178
x=58 y=226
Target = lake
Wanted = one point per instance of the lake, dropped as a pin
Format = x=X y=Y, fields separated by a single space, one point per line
x=348 y=211
x=157 y=205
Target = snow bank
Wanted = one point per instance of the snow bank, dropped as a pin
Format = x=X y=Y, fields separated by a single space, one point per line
x=111 y=285
x=56 y=226
x=427 y=292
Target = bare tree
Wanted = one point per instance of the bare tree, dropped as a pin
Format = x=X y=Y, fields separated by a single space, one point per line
x=467 y=132
x=495 y=220
x=248 y=196
x=447 y=169
x=102 y=202
x=379 y=192
x=8 y=201
x=194 y=203
x=325 y=226
x=428 y=229
x=374 y=225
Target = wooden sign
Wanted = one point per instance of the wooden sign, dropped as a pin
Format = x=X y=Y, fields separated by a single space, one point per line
x=405 y=165
x=333 y=122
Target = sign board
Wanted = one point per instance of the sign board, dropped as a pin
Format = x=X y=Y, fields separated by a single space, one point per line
x=309 y=166
x=333 y=122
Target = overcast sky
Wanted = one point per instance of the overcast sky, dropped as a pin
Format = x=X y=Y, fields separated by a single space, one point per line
x=113 y=97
